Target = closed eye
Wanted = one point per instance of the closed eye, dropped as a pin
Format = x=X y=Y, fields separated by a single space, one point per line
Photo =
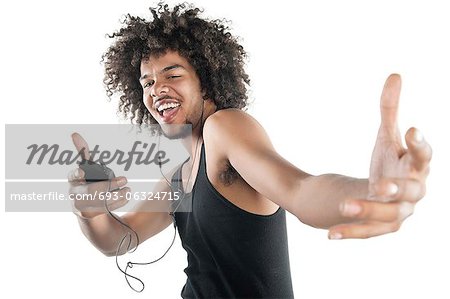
x=149 y=84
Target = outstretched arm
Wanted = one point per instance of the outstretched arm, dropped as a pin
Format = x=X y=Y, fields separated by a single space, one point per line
x=349 y=207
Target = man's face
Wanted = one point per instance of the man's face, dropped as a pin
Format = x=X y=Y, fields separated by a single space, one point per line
x=172 y=91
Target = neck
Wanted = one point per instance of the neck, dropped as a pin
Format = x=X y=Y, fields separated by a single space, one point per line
x=193 y=145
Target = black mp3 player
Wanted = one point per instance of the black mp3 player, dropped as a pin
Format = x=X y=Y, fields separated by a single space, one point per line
x=96 y=172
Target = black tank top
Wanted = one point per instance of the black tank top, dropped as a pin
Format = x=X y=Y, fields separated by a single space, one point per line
x=231 y=253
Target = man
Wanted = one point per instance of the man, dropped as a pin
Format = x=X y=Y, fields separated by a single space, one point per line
x=181 y=69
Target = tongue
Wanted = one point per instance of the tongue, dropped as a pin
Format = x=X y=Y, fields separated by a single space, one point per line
x=168 y=111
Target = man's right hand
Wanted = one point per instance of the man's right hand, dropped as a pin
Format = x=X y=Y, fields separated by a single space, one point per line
x=93 y=198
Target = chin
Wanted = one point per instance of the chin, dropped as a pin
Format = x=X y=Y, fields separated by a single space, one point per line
x=176 y=131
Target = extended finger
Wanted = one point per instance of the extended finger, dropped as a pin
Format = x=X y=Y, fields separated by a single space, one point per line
x=418 y=148
x=81 y=145
x=362 y=230
x=389 y=102
x=376 y=211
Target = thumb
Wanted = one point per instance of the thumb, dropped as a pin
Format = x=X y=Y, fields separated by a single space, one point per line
x=81 y=145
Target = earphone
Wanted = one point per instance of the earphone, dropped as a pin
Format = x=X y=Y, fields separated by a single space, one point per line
x=130 y=264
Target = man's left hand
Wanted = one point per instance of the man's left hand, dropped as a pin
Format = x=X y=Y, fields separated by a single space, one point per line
x=397 y=176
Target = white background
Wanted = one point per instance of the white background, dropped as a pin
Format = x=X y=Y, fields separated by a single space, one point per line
x=317 y=70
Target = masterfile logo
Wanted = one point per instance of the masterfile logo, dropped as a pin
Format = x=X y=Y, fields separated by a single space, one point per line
x=38 y=159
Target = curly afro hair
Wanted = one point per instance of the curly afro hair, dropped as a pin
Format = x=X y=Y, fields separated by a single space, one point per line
x=207 y=45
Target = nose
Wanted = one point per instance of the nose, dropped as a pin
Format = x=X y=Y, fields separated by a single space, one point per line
x=159 y=89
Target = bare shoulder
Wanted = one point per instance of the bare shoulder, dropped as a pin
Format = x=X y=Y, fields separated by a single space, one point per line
x=230 y=121
x=219 y=134
x=231 y=131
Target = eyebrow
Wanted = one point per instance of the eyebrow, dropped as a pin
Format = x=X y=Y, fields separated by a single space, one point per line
x=166 y=69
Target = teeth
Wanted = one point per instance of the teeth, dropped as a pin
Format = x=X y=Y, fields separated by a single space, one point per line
x=167 y=106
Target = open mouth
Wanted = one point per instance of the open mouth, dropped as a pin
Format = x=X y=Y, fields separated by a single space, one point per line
x=168 y=108
x=168 y=111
